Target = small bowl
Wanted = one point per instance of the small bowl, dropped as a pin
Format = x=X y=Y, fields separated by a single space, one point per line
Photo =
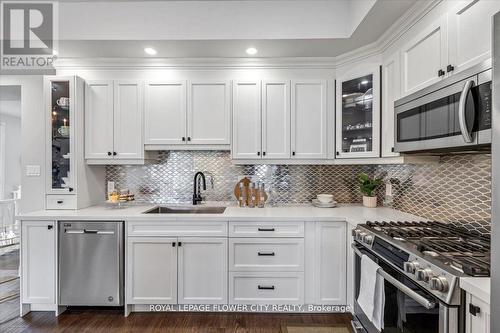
x=325 y=198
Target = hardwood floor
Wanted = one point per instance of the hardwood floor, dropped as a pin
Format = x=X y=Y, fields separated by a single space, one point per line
x=113 y=321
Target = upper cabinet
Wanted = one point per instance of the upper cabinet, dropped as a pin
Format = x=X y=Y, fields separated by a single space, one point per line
x=114 y=122
x=424 y=58
x=192 y=115
x=391 y=90
x=309 y=119
x=470 y=32
x=358 y=115
x=275 y=119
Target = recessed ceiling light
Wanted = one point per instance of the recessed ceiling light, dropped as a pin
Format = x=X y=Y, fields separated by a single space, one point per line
x=150 y=51
x=54 y=52
x=252 y=51
x=364 y=82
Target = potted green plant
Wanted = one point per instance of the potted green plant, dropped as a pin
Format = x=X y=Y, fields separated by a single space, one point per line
x=368 y=186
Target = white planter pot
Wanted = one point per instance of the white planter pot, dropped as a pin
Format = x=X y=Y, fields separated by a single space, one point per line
x=370 y=202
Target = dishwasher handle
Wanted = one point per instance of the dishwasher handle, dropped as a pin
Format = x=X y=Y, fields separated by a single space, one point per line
x=89 y=231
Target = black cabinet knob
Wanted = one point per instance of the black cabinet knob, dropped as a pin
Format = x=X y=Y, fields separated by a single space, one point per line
x=115 y=153
x=179 y=243
x=337 y=153
x=173 y=244
x=50 y=227
x=450 y=68
x=189 y=138
x=293 y=153
x=392 y=149
x=441 y=72
x=109 y=153
x=70 y=189
x=258 y=153
x=183 y=138
x=263 y=153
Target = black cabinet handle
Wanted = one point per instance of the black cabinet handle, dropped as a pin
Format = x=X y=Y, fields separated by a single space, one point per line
x=450 y=68
x=392 y=149
x=115 y=153
x=179 y=243
x=189 y=138
x=49 y=227
x=441 y=72
x=109 y=153
x=258 y=153
x=70 y=189
x=266 y=254
x=183 y=139
x=263 y=153
x=265 y=229
x=60 y=201
x=265 y=287
x=474 y=309
x=337 y=153
x=293 y=153
x=173 y=244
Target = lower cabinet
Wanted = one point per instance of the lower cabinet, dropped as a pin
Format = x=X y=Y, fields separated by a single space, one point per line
x=38 y=260
x=477 y=319
x=177 y=270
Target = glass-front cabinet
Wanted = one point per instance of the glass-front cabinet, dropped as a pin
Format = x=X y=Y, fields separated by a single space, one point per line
x=358 y=115
x=60 y=149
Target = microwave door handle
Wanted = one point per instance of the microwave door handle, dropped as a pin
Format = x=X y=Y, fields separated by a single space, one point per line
x=428 y=304
x=461 y=111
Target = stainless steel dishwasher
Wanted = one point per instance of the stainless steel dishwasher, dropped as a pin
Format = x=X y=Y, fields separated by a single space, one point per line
x=91 y=263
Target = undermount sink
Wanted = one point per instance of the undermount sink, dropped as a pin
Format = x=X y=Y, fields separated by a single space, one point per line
x=186 y=210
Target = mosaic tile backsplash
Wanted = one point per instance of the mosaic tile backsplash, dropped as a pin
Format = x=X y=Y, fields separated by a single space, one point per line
x=456 y=189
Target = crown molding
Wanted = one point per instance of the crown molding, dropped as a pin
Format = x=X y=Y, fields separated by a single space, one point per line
x=395 y=32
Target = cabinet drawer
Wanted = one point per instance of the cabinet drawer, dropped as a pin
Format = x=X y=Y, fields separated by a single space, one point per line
x=54 y=201
x=271 y=254
x=266 y=288
x=266 y=229
x=177 y=228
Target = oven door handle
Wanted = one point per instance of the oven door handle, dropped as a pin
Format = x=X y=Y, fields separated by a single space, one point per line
x=428 y=304
x=461 y=111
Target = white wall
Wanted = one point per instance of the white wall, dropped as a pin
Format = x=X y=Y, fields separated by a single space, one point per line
x=32 y=137
x=12 y=148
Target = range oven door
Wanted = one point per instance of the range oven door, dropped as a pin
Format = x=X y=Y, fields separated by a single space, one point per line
x=408 y=308
x=457 y=116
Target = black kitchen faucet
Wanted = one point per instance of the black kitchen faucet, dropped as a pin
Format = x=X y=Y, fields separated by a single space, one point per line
x=197 y=187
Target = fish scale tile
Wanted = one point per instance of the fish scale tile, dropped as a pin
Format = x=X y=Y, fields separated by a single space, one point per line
x=457 y=189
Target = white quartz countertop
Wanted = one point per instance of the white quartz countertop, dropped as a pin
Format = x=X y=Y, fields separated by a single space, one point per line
x=477 y=286
x=354 y=214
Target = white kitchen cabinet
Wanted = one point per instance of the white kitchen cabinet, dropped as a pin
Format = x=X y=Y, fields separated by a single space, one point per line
x=330 y=262
x=114 y=121
x=151 y=270
x=98 y=119
x=425 y=57
x=208 y=112
x=246 y=143
x=391 y=90
x=477 y=318
x=165 y=113
x=309 y=119
x=202 y=270
x=38 y=262
x=470 y=26
x=358 y=114
x=275 y=119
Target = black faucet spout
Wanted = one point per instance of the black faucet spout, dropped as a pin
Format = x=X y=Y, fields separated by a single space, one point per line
x=196 y=187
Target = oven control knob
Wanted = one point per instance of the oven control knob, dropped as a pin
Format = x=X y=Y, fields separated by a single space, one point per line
x=361 y=235
x=439 y=283
x=355 y=233
x=368 y=239
x=424 y=274
x=411 y=266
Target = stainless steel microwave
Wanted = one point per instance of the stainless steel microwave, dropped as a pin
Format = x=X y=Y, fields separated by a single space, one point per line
x=451 y=115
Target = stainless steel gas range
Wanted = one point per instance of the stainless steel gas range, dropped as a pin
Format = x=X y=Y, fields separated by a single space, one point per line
x=421 y=263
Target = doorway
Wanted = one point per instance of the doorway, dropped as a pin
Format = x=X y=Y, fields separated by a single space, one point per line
x=10 y=193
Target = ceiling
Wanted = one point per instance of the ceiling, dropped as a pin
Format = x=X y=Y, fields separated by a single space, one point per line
x=111 y=43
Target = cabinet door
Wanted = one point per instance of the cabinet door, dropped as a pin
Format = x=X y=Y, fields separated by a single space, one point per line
x=470 y=32
x=424 y=56
x=275 y=119
x=203 y=271
x=165 y=113
x=209 y=115
x=38 y=249
x=330 y=256
x=309 y=114
x=152 y=270
x=480 y=322
x=358 y=115
x=128 y=114
x=246 y=142
x=391 y=90
x=99 y=119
